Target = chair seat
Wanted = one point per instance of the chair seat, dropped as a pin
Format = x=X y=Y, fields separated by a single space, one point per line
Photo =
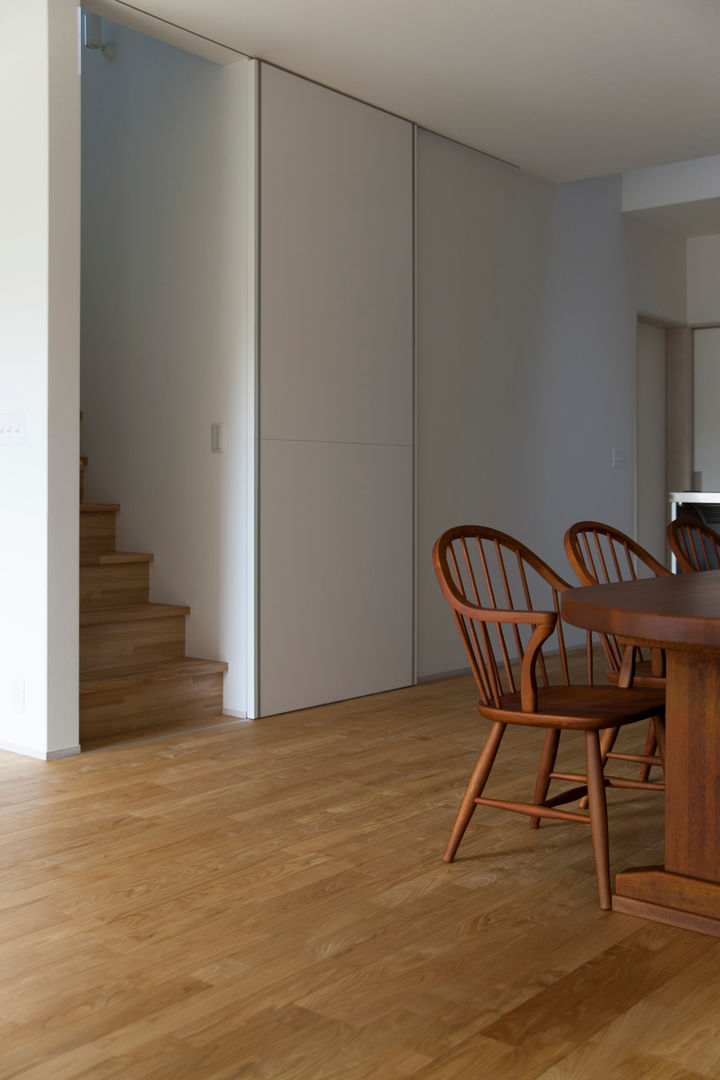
x=581 y=708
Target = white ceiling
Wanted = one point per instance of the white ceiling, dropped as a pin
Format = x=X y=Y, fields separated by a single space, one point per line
x=565 y=89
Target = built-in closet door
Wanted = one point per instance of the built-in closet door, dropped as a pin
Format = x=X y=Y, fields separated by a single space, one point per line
x=335 y=381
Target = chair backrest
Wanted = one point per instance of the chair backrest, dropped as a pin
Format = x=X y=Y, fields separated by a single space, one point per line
x=506 y=604
x=695 y=546
x=600 y=555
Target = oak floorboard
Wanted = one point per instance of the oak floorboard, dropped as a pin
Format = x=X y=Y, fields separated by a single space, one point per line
x=268 y=901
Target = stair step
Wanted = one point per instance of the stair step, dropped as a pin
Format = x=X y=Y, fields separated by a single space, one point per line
x=186 y=691
x=132 y=613
x=186 y=667
x=131 y=638
x=115 y=558
x=134 y=675
x=114 y=579
x=97 y=527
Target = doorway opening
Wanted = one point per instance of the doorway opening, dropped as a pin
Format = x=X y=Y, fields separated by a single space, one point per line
x=166 y=181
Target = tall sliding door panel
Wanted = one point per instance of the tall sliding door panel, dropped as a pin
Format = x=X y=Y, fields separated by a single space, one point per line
x=335 y=602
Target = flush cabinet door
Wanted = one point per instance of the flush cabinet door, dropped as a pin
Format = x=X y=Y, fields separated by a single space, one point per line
x=335 y=598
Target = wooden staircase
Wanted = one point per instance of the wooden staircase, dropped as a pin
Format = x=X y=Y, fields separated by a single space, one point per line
x=134 y=675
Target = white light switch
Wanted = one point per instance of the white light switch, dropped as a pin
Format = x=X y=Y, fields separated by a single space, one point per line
x=618 y=458
x=12 y=429
x=217 y=436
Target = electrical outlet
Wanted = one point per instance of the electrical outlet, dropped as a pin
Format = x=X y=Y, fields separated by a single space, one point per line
x=12 y=429
x=618 y=458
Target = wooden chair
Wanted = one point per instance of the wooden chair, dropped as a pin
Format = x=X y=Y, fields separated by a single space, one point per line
x=695 y=546
x=505 y=601
x=600 y=554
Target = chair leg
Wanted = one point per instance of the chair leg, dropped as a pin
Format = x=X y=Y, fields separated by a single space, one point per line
x=607 y=741
x=659 y=725
x=475 y=788
x=650 y=746
x=547 y=764
x=598 y=816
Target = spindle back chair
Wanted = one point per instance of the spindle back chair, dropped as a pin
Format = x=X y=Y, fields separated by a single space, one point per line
x=506 y=604
x=601 y=554
x=695 y=546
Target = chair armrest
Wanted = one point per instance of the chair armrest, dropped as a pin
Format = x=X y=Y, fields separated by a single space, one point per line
x=528 y=675
x=503 y=615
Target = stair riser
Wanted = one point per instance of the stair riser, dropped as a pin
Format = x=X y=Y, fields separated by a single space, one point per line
x=131 y=644
x=113 y=586
x=97 y=532
x=151 y=705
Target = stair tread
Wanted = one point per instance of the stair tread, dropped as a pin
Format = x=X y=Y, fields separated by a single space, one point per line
x=159 y=671
x=113 y=558
x=98 y=508
x=132 y=612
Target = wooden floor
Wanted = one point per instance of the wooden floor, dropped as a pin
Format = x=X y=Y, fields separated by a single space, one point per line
x=268 y=900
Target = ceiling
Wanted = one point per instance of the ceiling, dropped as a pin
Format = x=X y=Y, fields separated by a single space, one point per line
x=566 y=89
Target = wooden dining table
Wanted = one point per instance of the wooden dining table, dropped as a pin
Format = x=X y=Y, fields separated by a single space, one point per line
x=680 y=614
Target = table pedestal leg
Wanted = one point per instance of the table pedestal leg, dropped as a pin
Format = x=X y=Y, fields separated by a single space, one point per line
x=686 y=891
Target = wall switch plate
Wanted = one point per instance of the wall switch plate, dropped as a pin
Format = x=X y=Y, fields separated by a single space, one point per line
x=217 y=436
x=618 y=458
x=12 y=429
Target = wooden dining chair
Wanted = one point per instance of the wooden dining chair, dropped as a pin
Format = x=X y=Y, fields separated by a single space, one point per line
x=601 y=554
x=695 y=546
x=506 y=604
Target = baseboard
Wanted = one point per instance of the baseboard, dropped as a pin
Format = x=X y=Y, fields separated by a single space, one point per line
x=40 y=755
x=66 y=751
x=237 y=714
x=572 y=650
x=440 y=675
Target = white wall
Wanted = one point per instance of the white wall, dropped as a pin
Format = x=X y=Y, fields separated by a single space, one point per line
x=167 y=186
x=483 y=230
x=703 y=279
x=39 y=270
x=527 y=301
x=336 y=397
x=706 y=443
x=522 y=290
x=653 y=509
x=655 y=271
